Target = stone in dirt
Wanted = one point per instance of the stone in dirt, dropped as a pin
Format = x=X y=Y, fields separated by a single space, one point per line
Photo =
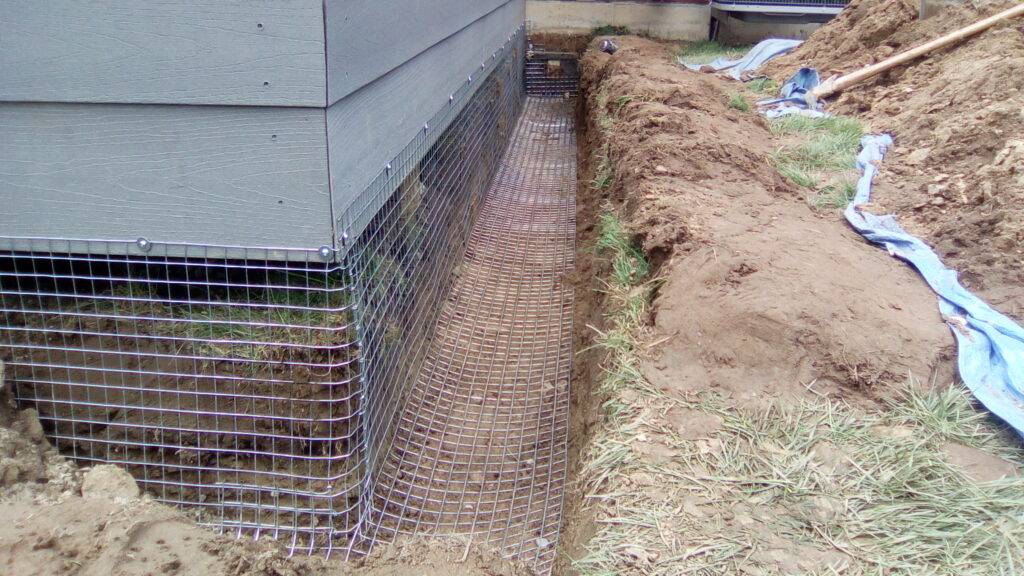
x=978 y=465
x=109 y=481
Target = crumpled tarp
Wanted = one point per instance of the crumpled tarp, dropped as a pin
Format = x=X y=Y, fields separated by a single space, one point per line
x=762 y=52
x=794 y=97
x=990 y=345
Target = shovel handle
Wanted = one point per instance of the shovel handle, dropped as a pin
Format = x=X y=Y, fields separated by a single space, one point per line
x=847 y=80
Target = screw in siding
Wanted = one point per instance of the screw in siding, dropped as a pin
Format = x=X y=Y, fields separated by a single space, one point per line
x=144 y=245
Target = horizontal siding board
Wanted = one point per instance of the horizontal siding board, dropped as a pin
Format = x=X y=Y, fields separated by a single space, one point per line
x=229 y=52
x=371 y=126
x=235 y=176
x=368 y=38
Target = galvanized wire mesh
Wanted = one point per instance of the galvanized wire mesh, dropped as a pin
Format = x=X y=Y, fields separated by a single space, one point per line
x=404 y=263
x=258 y=387
x=480 y=447
x=225 y=384
x=403 y=384
x=551 y=73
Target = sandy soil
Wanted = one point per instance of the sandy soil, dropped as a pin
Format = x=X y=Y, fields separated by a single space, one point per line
x=956 y=175
x=763 y=297
x=59 y=519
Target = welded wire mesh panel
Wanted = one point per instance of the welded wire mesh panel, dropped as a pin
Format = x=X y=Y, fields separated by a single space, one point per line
x=407 y=258
x=480 y=446
x=228 y=385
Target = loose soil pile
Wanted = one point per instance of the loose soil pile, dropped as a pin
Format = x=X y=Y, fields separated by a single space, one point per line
x=956 y=175
x=62 y=520
x=763 y=297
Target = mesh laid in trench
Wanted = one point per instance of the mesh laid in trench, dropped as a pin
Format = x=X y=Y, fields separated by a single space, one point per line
x=480 y=447
x=255 y=387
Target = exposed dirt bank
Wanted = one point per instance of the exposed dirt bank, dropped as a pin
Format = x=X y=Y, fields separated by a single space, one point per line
x=956 y=175
x=763 y=297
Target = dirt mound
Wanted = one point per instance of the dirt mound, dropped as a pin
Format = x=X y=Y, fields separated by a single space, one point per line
x=763 y=297
x=956 y=176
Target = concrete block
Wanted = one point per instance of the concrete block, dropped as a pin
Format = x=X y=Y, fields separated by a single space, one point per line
x=675 y=20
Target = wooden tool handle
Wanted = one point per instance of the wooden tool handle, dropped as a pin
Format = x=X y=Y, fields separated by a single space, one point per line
x=838 y=84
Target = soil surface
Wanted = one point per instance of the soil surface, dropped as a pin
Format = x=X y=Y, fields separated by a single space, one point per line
x=956 y=175
x=763 y=299
x=763 y=296
x=59 y=519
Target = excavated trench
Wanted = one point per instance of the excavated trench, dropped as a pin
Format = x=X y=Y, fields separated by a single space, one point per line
x=481 y=445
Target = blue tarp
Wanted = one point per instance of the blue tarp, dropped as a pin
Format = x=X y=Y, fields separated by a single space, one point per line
x=764 y=51
x=990 y=345
x=794 y=96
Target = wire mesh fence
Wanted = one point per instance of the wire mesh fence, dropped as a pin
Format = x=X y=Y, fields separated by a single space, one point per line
x=258 y=388
x=551 y=73
x=405 y=265
x=480 y=445
x=226 y=384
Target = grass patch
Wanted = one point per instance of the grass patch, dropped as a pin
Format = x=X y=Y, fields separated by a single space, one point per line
x=829 y=489
x=794 y=172
x=245 y=323
x=738 y=101
x=836 y=195
x=822 y=152
x=707 y=51
x=605 y=176
x=621 y=103
x=610 y=30
x=629 y=265
x=762 y=86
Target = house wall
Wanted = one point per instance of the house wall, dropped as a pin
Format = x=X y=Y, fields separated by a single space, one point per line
x=235 y=123
x=225 y=52
x=739 y=31
x=384 y=116
x=221 y=175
